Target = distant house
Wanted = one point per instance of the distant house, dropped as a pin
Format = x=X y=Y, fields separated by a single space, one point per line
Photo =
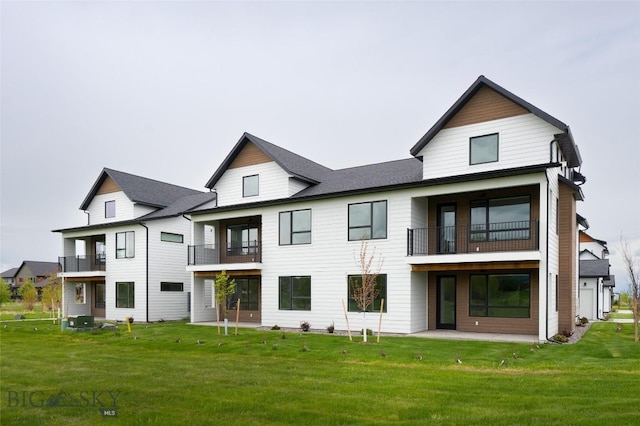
x=478 y=229
x=129 y=260
x=9 y=276
x=595 y=286
x=30 y=270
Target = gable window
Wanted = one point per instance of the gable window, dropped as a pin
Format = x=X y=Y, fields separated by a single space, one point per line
x=125 y=244
x=250 y=186
x=125 y=295
x=109 y=209
x=500 y=295
x=368 y=221
x=295 y=293
x=483 y=149
x=171 y=238
x=295 y=227
x=381 y=287
x=165 y=286
x=501 y=219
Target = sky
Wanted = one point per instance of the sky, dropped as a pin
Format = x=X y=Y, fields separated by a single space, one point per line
x=164 y=90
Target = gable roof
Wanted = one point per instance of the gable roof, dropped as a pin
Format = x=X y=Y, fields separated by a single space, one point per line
x=565 y=139
x=594 y=268
x=182 y=205
x=140 y=190
x=39 y=269
x=294 y=164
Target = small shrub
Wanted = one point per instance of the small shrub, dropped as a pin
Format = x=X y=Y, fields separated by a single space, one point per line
x=560 y=338
x=305 y=326
x=566 y=333
x=275 y=327
x=369 y=332
x=331 y=328
x=584 y=320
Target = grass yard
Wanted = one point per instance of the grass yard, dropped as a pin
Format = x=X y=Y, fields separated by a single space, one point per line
x=9 y=310
x=158 y=374
x=621 y=315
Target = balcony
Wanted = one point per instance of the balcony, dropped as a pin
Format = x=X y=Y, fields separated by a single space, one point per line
x=241 y=252
x=496 y=237
x=82 y=263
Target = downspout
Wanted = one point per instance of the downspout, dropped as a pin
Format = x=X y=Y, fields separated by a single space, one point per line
x=546 y=309
x=88 y=217
x=147 y=272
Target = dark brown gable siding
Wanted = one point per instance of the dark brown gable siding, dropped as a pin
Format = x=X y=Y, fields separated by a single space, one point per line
x=249 y=156
x=108 y=186
x=485 y=105
x=567 y=260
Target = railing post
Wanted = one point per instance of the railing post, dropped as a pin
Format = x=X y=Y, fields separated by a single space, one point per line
x=409 y=242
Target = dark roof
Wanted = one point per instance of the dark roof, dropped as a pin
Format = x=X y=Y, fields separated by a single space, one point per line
x=181 y=205
x=140 y=190
x=582 y=221
x=378 y=175
x=39 y=269
x=565 y=139
x=594 y=268
x=611 y=282
x=294 y=164
x=9 y=273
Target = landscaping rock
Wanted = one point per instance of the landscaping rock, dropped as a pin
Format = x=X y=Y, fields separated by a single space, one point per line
x=19 y=317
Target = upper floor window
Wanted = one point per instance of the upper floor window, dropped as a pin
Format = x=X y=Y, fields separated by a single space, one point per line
x=368 y=221
x=295 y=227
x=295 y=293
x=501 y=219
x=250 y=186
x=171 y=238
x=125 y=244
x=483 y=149
x=500 y=295
x=109 y=209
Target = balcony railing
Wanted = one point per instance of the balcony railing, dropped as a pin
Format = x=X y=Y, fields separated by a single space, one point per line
x=241 y=252
x=82 y=263
x=503 y=236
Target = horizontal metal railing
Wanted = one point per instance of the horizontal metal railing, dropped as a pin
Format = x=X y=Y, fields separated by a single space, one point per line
x=241 y=252
x=494 y=237
x=82 y=263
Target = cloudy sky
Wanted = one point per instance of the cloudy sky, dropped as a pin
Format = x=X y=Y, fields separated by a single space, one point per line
x=165 y=89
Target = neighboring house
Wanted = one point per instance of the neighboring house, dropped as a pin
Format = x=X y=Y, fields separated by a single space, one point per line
x=595 y=286
x=128 y=261
x=35 y=271
x=9 y=276
x=478 y=229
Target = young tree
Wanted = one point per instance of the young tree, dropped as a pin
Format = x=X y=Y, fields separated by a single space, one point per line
x=365 y=290
x=223 y=288
x=5 y=291
x=52 y=293
x=633 y=270
x=29 y=295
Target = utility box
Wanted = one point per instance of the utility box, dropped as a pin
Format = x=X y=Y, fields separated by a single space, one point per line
x=81 y=321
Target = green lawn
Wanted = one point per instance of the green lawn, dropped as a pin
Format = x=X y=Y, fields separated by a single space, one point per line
x=9 y=310
x=621 y=315
x=159 y=374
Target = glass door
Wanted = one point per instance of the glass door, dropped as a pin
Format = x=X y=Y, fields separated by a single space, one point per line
x=447 y=228
x=446 y=308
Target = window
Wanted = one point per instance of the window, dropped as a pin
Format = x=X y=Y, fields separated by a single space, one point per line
x=250 y=186
x=500 y=295
x=125 y=296
x=242 y=240
x=109 y=209
x=368 y=221
x=171 y=238
x=125 y=244
x=483 y=149
x=164 y=286
x=500 y=219
x=80 y=294
x=381 y=287
x=248 y=292
x=295 y=293
x=295 y=227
